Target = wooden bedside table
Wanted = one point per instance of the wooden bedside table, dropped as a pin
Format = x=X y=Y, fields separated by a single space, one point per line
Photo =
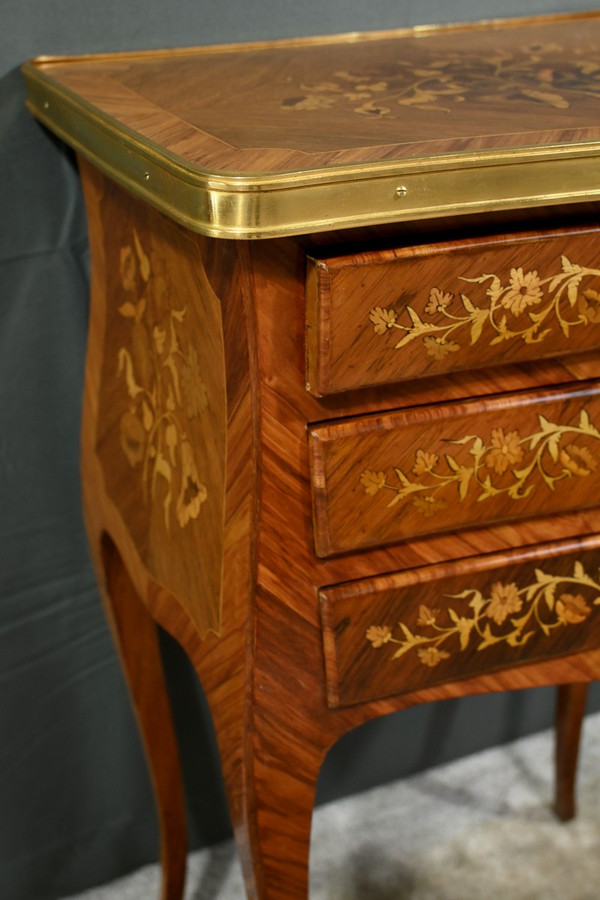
x=354 y=465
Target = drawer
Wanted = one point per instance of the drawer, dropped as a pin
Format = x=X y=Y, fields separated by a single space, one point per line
x=412 y=630
x=411 y=312
x=380 y=479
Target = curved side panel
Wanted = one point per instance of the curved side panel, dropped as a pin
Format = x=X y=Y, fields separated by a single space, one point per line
x=161 y=424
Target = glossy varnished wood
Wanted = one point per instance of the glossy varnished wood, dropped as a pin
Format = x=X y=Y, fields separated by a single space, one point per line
x=569 y=717
x=441 y=467
x=400 y=632
x=301 y=105
x=136 y=638
x=228 y=503
x=161 y=429
x=420 y=310
x=224 y=672
x=263 y=670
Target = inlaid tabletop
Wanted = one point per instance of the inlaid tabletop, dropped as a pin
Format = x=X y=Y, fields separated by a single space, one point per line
x=241 y=121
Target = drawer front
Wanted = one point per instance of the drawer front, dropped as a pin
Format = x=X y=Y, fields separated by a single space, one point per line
x=408 y=631
x=385 y=478
x=394 y=315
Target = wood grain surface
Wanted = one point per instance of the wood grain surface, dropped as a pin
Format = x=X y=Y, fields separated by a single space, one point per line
x=419 y=310
x=301 y=105
x=418 y=628
x=263 y=669
x=136 y=638
x=569 y=716
x=442 y=467
x=161 y=429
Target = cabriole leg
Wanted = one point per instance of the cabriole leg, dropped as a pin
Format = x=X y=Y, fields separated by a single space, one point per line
x=136 y=637
x=569 y=719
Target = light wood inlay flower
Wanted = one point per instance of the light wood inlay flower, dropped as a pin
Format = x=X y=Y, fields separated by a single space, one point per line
x=164 y=386
x=523 y=306
x=505 y=613
x=507 y=463
x=443 y=81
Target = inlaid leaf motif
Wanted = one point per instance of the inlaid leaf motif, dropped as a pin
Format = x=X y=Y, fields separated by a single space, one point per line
x=165 y=388
x=555 y=100
x=516 y=310
x=531 y=77
x=372 y=481
x=505 y=613
x=382 y=319
x=506 y=463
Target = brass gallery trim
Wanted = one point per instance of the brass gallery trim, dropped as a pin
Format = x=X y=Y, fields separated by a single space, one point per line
x=265 y=205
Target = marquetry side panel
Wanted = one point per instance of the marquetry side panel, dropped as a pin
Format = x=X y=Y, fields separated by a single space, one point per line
x=429 y=309
x=415 y=629
x=161 y=430
x=391 y=477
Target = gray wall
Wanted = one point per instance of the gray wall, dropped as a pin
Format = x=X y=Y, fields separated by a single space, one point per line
x=75 y=806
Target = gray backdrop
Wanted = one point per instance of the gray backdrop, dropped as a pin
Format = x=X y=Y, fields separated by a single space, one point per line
x=75 y=805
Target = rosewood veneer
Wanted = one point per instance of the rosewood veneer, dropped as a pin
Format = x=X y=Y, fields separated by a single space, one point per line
x=341 y=427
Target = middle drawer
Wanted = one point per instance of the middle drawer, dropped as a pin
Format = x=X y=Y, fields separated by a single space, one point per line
x=384 y=478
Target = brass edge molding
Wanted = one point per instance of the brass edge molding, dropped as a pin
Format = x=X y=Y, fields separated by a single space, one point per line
x=265 y=205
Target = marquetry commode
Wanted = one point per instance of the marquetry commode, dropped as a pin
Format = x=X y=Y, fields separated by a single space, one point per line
x=353 y=465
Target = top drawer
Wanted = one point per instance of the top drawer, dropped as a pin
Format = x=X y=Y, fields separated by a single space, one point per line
x=397 y=314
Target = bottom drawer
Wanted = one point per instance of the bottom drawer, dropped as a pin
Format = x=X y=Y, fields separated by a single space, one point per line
x=415 y=629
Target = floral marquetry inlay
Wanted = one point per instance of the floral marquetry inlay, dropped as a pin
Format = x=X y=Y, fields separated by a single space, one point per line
x=506 y=462
x=165 y=389
x=505 y=613
x=527 y=74
x=521 y=307
x=160 y=427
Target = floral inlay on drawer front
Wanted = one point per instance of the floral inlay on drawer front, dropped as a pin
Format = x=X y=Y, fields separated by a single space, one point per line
x=410 y=630
x=425 y=310
x=504 y=612
x=386 y=478
x=451 y=321
x=510 y=463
